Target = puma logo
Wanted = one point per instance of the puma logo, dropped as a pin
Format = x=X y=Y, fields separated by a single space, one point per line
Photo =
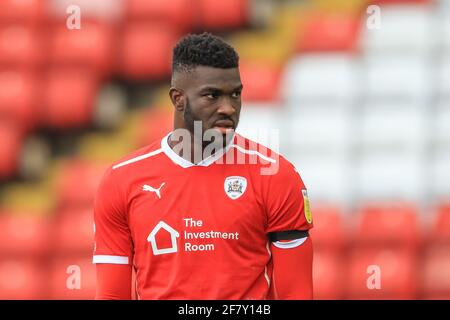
x=148 y=188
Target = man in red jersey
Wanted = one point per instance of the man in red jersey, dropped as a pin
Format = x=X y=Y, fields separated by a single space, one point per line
x=204 y=213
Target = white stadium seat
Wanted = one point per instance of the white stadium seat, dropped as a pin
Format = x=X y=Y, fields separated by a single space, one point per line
x=320 y=129
x=445 y=34
x=393 y=127
x=407 y=29
x=320 y=77
x=440 y=174
x=327 y=178
x=444 y=26
x=441 y=126
x=398 y=78
x=261 y=123
x=390 y=176
x=443 y=72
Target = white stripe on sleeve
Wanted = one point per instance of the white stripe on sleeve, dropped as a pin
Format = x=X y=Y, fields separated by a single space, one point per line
x=289 y=244
x=110 y=259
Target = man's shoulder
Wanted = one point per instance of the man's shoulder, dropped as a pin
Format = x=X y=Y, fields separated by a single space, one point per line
x=267 y=155
x=253 y=147
x=142 y=156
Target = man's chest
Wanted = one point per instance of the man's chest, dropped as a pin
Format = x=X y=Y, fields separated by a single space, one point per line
x=195 y=212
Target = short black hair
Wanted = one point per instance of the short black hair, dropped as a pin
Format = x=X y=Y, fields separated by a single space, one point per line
x=203 y=50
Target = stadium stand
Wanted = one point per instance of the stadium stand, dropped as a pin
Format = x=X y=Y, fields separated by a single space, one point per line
x=327 y=32
x=19 y=99
x=58 y=111
x=30 y=12
x=23 y=279
x=363 y=114
x=21 y=46
x=329 y=268
x=398 y=269
x=330 y=232
x=12 y=139
x=175 y=13
x=25 y=235
x=90 y=47
x=144 y=51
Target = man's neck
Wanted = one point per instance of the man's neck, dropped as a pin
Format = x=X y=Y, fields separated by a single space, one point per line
x=194 y=150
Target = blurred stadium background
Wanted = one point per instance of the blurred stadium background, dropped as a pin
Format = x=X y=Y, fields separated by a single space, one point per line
x=364 y=114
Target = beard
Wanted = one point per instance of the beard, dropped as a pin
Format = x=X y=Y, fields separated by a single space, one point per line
x=189 y=123
x=190 y=118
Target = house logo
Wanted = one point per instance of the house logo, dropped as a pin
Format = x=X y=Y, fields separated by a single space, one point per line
x=173 y=238
x=235 y=186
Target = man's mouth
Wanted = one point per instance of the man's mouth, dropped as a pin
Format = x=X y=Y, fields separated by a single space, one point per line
x=224 y=124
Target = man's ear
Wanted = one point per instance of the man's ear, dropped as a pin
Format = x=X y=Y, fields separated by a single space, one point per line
x=177 y=97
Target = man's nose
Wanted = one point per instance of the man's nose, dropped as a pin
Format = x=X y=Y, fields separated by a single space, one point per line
x=226 y=107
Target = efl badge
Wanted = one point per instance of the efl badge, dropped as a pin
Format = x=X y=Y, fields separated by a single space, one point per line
x=306 y=207
x=235 y=186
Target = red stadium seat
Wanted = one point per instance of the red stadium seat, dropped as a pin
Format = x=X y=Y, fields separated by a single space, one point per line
x=436 y=273
x=74 y=231
x=222 y=15
x=328 y=271
x=16 y=11
x=20 y=46
x=72 y=278
x=146 y=52
x=154 y=125
x=388 y=224
x=440 y=231
x=177 y=13
x=11 y=139
x=398 y=274
x=24 y=234
x=325 y=32
x=260 y=80
x=22 y=279
x=329 y=231
x=19 y=98
x=68 y=98
x=77 y=183
x=91 y=46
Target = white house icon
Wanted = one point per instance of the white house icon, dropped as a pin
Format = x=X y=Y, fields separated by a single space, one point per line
x=173 y=237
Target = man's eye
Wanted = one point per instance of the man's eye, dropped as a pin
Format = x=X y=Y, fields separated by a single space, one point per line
x=236 y=94
x=211 y=95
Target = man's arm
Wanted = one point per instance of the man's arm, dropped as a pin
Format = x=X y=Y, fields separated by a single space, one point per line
x=289 y=219
x=292 y=269
x=113 y=249
x=113 y=282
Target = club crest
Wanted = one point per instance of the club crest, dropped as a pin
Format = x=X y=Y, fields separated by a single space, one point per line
x=235 y=186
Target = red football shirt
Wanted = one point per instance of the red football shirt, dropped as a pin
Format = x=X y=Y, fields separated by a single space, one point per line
x=198 y=231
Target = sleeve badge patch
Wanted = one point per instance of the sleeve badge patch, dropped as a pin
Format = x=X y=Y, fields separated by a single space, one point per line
x=306 y=206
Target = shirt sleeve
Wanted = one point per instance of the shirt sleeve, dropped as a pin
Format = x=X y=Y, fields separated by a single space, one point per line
x=113 y=242
x=287 y=204
x=114 y=282
x=292 y=272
